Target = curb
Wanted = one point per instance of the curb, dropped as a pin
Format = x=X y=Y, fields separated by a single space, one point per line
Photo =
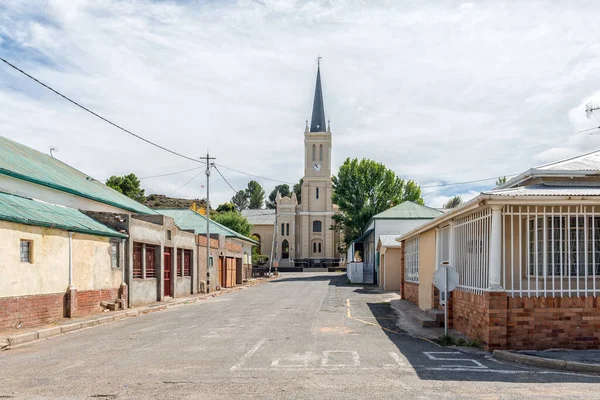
x=573 y=366
x=16 y=340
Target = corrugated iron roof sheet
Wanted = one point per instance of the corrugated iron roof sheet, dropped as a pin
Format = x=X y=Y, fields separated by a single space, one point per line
x=389 y=240
x=544 y=190
x=27 y=211
x=409 y=210
x=585 y=162
x=22 y=162
x=260 y=217
x=191 y=220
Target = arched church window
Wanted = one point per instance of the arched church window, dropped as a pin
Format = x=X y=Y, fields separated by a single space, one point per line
x=314 y=247
x=317 y=226
x=320 y=152
x=314 y=153
x=319 y=247
x=317 y=193
x=285 y=250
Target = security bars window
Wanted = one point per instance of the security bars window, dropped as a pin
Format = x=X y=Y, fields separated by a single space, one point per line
x=411 y=260
x=25 y=251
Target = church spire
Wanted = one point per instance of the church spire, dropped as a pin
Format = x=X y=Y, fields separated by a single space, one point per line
x=317 y=122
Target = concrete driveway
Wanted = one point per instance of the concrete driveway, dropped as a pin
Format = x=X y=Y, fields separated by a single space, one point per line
x=301 y=336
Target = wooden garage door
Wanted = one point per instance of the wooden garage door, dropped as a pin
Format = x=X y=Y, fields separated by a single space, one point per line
x=231 y=275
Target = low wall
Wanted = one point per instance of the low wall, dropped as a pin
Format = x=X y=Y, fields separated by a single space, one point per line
x=469 y=314
x=88 y=302
x=183 y=286
x=31 y=310
x=143 y=291
x=410 y=292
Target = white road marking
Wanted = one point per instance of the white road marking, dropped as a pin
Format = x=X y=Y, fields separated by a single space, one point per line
x=399 y=361
x=430 y=355
x=294 y=361
x=249 y=354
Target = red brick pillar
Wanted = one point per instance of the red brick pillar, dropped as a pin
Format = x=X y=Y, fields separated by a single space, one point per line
x=496 y=320
x=71 y=302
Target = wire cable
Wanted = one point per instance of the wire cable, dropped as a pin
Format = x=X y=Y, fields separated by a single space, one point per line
x=226 y=181
x=180 y=187
x=169 y=174
x=255 y=176
x=98 y=115
x=465 y=182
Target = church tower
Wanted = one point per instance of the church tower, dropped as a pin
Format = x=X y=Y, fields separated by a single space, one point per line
x=316 y=239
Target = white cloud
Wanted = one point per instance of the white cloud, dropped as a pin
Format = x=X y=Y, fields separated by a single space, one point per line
x=440 y=92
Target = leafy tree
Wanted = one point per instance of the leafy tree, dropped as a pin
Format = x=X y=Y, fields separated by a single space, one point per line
x=298 y=190
x=241 y=200
x=258 y=259
x=501 y=181
x=129 y=185
x=453 y=202
x=364 y=188
x=226 y=207
x=284 y=189
x=256 y=195
x=234 y=221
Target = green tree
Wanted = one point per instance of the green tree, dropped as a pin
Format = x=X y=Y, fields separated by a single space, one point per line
x=258 y=259
x=226 y=207
x=234 y=221
x=298 y=190
x=364 y=188
x=241 y=200
x=129 y=185
x=284 y=189
x=453 y=202
x=501 y=181
x=256 y=195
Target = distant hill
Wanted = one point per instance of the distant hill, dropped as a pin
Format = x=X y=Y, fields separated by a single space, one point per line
x=162 y=201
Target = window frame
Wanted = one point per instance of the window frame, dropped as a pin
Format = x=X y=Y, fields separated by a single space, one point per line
x=29 y=259
x=115 y=254
x=320 y=225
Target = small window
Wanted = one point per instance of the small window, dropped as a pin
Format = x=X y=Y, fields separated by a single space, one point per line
x=320 y=152
x=287 y=229
x=317 y=193
x=115 y=254
x=314 y=152
x=168 y=234
x=314 y=247
x=25 y=251
x=319 y=247
x=282 y=229
x=317 y=226
x=210 y=263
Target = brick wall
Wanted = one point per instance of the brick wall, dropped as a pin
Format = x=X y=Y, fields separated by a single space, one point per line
x=31 y=310
x=88 y=302
x=410 y=292
x=469 y=314
x=201 y=241
x=233 y=247
x=546 y=322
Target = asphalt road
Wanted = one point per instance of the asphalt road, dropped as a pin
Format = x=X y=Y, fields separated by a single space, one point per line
x=301 y=336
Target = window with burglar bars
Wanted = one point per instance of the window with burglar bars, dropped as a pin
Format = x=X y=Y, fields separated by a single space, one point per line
x=115 y=254
x=25 y=251
x=187 y=262
x=137 y=261
x=551 y=250
x=471 y=235
x=411 y=260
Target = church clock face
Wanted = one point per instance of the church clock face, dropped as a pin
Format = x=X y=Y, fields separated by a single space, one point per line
x=317 y=167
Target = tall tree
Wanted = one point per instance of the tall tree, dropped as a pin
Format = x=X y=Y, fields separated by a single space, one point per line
x=284 y=189
x=129 y=185
x=501 y=181
x=241 y=200
x=234 y=221
x=256 y=195
x=364 y=188
x=298 y=190
x=453 y=202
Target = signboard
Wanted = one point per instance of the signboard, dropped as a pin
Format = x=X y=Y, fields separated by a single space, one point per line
x=439 y=278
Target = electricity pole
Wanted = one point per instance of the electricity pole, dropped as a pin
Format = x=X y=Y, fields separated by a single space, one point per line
x=207 y=210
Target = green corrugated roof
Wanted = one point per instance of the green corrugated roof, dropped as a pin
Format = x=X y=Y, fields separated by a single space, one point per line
x=409 y=210
x=22 y=162
x=32 y=212
x=190 y=219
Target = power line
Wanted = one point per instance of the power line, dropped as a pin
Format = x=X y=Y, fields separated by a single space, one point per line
x=464 y=183
x=195 y=176
x=96 y=114
x=255 y=176
x=171 y=173
x=226 y=181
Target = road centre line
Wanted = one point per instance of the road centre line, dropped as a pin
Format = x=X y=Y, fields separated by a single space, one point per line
x=249 y=354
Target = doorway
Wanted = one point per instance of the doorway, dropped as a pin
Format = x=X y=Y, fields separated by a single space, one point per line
x=167 y=274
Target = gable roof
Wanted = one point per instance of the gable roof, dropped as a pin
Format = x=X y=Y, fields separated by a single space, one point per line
x=389 y=241
x=409 y=210
x=25 y=163
x=191 y=220
x=27 y=211
x=260 y=217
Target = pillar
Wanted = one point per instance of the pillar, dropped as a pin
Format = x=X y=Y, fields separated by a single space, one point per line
x=495 y=261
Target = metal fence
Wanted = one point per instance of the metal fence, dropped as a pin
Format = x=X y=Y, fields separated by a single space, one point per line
x=470 y=239
x=411 y=260
x=551 y=250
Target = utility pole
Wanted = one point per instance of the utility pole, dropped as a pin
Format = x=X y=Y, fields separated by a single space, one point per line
x=207 y=210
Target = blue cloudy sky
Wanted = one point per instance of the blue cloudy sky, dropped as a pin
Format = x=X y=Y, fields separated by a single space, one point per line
x=438 y=91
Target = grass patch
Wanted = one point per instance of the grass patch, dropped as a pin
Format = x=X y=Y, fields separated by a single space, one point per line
x=449 y=340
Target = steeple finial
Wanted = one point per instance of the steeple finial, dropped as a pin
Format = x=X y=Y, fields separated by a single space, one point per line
x=306 y=128
x=317 y=122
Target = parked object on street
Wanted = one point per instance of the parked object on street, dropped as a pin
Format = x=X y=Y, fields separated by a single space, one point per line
x=528 y=258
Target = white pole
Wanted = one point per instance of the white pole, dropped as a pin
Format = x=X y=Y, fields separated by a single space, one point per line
x=495 y=264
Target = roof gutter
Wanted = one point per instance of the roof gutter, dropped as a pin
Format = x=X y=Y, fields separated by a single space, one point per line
x=93 y=232
x=541 y=173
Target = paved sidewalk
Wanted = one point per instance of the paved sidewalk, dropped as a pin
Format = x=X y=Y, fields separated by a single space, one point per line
x=13 y=337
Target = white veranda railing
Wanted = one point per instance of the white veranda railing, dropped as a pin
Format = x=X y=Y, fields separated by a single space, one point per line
x=470 y=246
x=551 y=250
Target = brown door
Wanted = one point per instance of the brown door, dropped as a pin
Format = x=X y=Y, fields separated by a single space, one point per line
x=167 y=277
x=230 y=272
x=221 y=272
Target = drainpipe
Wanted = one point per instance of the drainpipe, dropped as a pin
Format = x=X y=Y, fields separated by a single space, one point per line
x=71 y=260
x=122 y=261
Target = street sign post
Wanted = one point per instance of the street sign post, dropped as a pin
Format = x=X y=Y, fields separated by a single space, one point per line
x=446 y=280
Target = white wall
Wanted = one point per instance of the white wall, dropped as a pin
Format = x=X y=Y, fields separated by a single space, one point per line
x=396 y=226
